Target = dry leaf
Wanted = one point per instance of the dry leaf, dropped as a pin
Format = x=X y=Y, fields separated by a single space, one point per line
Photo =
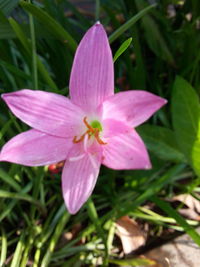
x=189 y=201
x=193 y=206
x=190 y=214
x=132 y=237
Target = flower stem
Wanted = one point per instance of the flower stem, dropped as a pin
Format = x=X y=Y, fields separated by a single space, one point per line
x=34 y=52
x=55 y=237
x=94 y=218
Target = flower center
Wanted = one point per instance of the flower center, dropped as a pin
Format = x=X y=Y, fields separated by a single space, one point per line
x=93 y=129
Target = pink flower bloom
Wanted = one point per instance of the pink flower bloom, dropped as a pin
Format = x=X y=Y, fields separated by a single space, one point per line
x=93 y=127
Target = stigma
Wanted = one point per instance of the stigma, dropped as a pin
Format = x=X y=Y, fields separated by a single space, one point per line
x=93 y=129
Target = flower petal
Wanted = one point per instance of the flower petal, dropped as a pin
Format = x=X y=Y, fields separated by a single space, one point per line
x=135 y=107
x=79 y=177
x=92 y=78
x=126 y=151
x=114 y=127
x=34 y=148
x=47 y=112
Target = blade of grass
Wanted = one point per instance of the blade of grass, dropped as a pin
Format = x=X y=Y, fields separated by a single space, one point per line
x=94 y=218
x=129 y=23
x=18 y=251
x=37 y=182
x=34 y=51
x=52 y=25
x=122 y=48
x=153 y=188
x=82 y=20
x=179 y=219
x=23 y=39
x=11 y=205
x=14 y=70
x=9 y=180
x=25 y=197
x=7 y=6
x=110 y=237
x=97 y=10
x=52 y=243
x=134 y=262
x=3 y=247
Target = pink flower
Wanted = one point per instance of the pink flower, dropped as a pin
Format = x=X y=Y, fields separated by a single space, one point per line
x=93 y=127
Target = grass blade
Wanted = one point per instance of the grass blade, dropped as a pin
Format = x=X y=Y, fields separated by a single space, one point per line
x=23 y=39
x=122 y=48
x=21 y=196
x=3 y=247
x=52 y=25
x=129 y=23
x=9 y=180
x=179 y=219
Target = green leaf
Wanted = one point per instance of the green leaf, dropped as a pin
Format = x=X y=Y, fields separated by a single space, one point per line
x=152 y=189
x=9 y=180
x=22 y=196
x=154 y=36
x=129 y=23
x=185 y=116
x=6 y=6
x=27 y=45
x=18 y=251
x=196 y=152
x=161 y=141
x=133 y=262
x=13 y=69
x=50 y=24
x=179 y=219
x=122 y=48
x=55 y=237
x=79 y=16
x=3 y=247
x=6 y=31
x=93 y=215
x=13 y=202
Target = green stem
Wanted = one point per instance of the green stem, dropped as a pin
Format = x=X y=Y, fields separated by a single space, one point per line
x=37 y=258
x=129 y=23
x=94 y=218
x=18 y=251
x=97 y=10
x=34 y=52
x=58 y=231
x=3 y=247
x=38 y=181
x=111 y=235
x=27 y=250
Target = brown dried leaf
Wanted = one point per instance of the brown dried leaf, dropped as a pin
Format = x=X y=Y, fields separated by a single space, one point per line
x=132 y=237
x=189 y=201
x=190 y=214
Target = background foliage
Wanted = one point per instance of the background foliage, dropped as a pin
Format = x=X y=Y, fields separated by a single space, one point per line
x=37 y=45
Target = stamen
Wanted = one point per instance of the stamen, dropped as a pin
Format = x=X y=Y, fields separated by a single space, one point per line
x=90 y=132
x=101 y=142
x=88 y=125
x=75 y=140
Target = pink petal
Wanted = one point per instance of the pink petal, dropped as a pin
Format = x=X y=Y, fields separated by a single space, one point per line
x=47 y=112
x=79 y=177
x=34 y=148
x=135 y=107
x=126 y=151
x=92 y=78
x=113 y=127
